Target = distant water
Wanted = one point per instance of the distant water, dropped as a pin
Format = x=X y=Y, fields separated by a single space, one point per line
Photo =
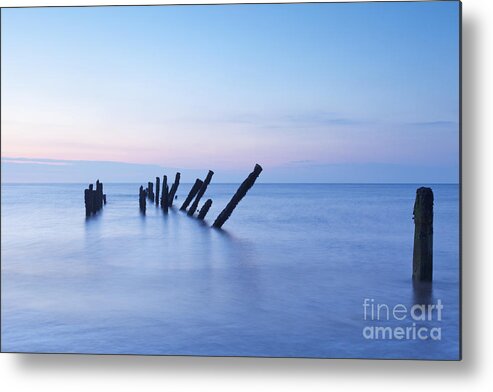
x=286 y=277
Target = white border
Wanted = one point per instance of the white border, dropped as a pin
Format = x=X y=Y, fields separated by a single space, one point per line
x=114 y=373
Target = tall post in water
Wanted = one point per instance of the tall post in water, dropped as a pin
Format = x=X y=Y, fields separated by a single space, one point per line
x=205 y=209
x=240 y=193
x=191 y=194
x=423 y=235
x=173 y=190
x=157 y=191
x=200 y=193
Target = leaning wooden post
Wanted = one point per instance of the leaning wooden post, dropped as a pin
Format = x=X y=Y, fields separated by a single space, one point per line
x=205 y=209
x=240 y=193
x=164 y=199
x=191 y=194
x=157 y=191
x=173 y=189
x=200 y=193
x=423 y=235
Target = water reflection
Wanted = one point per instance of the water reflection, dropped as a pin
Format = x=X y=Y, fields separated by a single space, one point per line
x=422 y=292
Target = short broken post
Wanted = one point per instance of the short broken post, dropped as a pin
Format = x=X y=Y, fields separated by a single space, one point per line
x=157 y=191
x=423 y=235
x=164 y=197
x=99 y=196
x=205 y=209
x=142 y=199
x=191 y=194
x=94 y=201
x=240 y=193
x=88 y=200
x=173 y=190
x=200 y=193
x=150 y=191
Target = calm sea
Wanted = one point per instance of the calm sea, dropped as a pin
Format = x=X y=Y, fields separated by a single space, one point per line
x=287 y=276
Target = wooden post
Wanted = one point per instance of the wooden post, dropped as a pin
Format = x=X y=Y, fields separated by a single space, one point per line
x=173 y=190
x=98 y=204
x=94 y=205
x=164 y=198
x=142 y=199
x=240 y=193
x=200 y=193
x=157 y=191
x=101 y=194
x=88 y=200
x=191 y=194
x=96 y=197
x=150 y=191
x=205 y=209
x=423 y=235
x=104 y=199
x=165 y=180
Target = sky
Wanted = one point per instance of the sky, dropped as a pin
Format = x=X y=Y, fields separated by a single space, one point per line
x=364 y=92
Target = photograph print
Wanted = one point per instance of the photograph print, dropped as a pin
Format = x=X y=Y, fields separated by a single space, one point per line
x=259 y=180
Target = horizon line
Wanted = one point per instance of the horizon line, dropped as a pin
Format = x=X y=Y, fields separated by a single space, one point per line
x=236 y=183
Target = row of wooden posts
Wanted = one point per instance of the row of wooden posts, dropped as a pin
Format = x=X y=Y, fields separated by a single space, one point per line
x=164 y=197
x=94 y=199
x=195 y=195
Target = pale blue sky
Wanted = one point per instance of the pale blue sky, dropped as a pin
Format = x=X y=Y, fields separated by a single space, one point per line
x=324 y=90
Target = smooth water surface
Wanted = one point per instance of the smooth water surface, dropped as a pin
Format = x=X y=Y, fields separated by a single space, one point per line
x=286 y=277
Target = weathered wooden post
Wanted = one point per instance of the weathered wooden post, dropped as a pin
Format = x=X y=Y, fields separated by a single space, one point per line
x=142 y=199
x=423 y=235
x=157 y=191
x=94 y=199
x=173 y=189
x=98 y=196
x=200 y=193
x=101 y=195
x=205 y=209
x=150 y=191
x=104 y=199
x=164 y=199
x=191 y=194
x=88 y=200
x=161 y=201
x=240 y=193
